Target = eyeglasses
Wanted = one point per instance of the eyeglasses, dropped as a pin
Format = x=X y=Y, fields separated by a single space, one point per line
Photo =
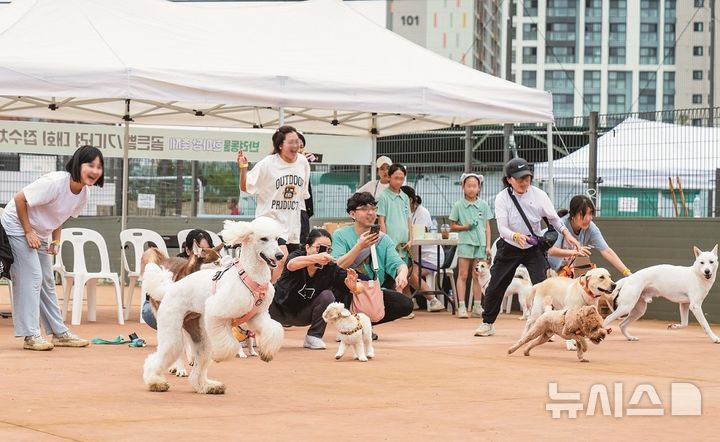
x=322 y=248
x=366 y=208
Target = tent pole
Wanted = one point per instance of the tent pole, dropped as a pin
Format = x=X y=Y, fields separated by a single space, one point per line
x=550 y=188
x=125 y=172
x=373 y=135
x=468 y=148
x=281 y=116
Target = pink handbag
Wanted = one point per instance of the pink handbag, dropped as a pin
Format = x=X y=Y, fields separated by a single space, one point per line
x=369 y=300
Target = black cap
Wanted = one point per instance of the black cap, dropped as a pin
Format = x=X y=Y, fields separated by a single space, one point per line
x=517 y=168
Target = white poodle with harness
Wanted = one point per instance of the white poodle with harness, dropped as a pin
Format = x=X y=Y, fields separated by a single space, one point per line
x=208 y=303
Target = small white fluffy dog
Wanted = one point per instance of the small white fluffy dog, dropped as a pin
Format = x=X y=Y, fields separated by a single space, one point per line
x=206 y=316
x=561 y=293
x=354 y=331
x=686 y=286
x=521 y=286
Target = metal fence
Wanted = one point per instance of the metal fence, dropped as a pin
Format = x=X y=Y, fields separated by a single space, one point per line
x=645 y=167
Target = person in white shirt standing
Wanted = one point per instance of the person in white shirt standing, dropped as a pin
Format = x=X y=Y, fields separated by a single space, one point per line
x=517 y=244
x=376 y=187
x=279 y=183
x=34 y=216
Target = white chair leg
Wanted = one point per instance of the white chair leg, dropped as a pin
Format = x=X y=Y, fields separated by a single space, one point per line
x=130 y=289
x=77 y=300
x=92 y=299
x=67 y=295
x=118 y=300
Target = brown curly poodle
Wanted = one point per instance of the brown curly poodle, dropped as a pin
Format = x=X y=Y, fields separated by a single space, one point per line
x=576 y=324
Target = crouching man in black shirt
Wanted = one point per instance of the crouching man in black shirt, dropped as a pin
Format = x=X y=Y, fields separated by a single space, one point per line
x=309 y=283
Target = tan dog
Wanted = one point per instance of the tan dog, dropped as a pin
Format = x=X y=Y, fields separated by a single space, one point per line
x=574 y=324
x=520 y=285
x=561 y=293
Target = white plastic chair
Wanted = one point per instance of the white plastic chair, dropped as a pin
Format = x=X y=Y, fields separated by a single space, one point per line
x=182 y=235
x=137 y=238
x=10 y=292
x=80 y=276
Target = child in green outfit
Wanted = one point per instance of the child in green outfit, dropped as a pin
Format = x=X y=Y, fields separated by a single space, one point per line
x=471 y=217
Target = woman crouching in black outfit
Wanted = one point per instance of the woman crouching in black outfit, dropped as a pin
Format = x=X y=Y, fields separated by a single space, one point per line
x=309 y=283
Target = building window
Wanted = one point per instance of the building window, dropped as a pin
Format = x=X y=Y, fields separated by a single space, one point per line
x=530 y=31
x=593 y=54
x=699 y=3
x=649 y=8
x=670 y=6
x=697 y=122
x=618 y=8
x=697 y=50
x=529 y=79
x=697 y=75
x=697 y=99
x=592 y=102
x=669 y=57
x=698 y=26
x=617 y=32
x=529 y=55
x=563 y=105
x=560 y=54
x=648 y=55
x=616 y=55
x=561 y=31
x=559 y=81
x=591 y=81
x=530 y=8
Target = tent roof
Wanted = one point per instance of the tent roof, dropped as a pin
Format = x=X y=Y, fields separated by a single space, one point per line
x=236 y=66
x=643 y=153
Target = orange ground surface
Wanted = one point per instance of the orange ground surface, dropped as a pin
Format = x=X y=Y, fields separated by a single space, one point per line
x=431 y=379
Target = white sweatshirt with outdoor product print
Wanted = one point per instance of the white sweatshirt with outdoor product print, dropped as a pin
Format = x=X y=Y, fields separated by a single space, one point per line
x=280 y=189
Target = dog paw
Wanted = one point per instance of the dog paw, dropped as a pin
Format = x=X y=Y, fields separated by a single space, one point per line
x=584 y=360
x=337 y=357
x=632 y=338
x=676 y=326
x=526 y=353
x=182 y=373
x=241 y=354
x=159 y=387
x=265 y=357
x=215 y=389
x=363 y=359
x=716 y=340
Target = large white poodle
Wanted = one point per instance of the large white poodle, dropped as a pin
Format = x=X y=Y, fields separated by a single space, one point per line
x=207 y=302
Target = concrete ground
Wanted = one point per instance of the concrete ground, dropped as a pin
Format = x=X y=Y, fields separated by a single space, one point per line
x=431 y=379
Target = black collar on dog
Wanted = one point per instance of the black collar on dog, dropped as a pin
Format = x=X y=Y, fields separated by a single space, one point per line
x=356 y=329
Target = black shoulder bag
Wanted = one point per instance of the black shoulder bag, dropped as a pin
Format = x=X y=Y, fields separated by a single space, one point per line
x=549 y=237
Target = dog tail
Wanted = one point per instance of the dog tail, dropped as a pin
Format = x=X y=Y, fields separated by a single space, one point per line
x=156 y=281
x=529 y=298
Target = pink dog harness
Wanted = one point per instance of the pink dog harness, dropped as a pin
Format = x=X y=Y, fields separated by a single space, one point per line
x=258 y=290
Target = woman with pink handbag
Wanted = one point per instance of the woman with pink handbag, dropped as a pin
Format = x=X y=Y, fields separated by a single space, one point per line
x=372 y=254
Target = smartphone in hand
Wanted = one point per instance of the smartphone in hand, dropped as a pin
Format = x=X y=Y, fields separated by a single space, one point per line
x=375 y=229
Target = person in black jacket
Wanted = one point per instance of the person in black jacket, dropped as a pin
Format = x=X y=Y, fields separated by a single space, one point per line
x=306 y=213
x=309 y=283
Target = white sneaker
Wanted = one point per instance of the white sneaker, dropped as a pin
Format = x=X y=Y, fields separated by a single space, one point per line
x=314 y=343
x=485 y=329
x=37 y=343
x=68 y=339
x=410 y=316
x=434 y=305
x=477 y=310
x=462 y=312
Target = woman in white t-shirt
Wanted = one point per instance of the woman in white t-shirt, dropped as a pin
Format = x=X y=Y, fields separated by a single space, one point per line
x=34 y=216
x=280 y=185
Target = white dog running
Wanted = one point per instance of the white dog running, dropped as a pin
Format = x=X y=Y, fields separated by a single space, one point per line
x=520 y=285
x=354 y=331
x=208 y=316
x=687 y=286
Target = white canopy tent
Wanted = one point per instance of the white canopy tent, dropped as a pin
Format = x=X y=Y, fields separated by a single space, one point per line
x=643 y=154
x=330 y=69
x=317 y=65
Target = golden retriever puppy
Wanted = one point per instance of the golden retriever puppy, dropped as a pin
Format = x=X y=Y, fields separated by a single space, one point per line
x=573 y=324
